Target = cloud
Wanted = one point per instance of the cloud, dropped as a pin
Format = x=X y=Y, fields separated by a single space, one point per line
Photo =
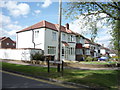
x=37 y=11
x=46 y=3
x=38 y=4
x=4 y=19
x=9 y=27
x=16 y=9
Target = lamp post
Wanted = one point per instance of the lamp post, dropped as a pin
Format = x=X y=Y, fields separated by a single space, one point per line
x=59 y=32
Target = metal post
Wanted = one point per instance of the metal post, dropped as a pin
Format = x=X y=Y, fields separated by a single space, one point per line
x=48 y=66
x=59 y=33
x=62 y=67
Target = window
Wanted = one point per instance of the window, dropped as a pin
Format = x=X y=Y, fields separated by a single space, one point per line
x=71 y=51
x=79 y=51
x=13 y=44
x=51 y=50
x=54 y=37
x=7 y=43
x=68 y=38
x=36 y=34
x=63 y=37
x=62 y=51
x=71 y=38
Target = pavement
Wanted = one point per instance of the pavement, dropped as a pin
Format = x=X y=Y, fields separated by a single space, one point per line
x=81 y=68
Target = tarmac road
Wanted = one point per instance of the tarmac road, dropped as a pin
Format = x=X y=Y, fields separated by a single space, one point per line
x=12 y=80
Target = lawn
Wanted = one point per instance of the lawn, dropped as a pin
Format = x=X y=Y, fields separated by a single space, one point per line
x=97 y=78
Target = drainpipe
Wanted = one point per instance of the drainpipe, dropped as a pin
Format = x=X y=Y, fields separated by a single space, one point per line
x=33 y=38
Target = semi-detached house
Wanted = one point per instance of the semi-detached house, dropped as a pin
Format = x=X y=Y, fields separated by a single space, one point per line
x=44 y=35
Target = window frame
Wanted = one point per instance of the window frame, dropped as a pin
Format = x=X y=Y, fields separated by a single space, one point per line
x=54 y=36
x=51 y=50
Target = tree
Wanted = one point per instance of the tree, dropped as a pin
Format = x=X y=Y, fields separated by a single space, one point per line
x=87 y=9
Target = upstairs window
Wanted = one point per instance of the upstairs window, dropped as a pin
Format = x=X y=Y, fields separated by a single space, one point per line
x=13 y=44
x=63 y=37
x=71 y=38
x=54 y=36
x=68 y=38
x=36 y=34
x=7 y=44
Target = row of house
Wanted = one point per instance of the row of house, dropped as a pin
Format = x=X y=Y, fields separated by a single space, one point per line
x=44 y=35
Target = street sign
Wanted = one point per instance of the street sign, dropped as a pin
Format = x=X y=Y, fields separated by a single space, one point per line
x=56 y=62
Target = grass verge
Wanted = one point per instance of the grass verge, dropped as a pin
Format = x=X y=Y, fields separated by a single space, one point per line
x=95 y=78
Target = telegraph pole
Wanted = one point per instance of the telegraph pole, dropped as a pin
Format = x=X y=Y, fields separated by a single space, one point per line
x=59 y=32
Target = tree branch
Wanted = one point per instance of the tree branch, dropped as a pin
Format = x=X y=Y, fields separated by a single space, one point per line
x=114 y=6
x=104 y=11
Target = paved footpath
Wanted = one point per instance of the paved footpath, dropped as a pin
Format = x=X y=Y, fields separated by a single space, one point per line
x=81 y=68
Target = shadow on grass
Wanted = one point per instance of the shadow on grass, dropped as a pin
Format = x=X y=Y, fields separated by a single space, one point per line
x=97 y=78
x=100 y=80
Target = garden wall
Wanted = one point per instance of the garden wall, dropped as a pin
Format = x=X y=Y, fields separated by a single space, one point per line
x=18 y=54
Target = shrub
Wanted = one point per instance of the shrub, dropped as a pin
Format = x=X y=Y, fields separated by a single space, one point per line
x=89 y=58
x=95 y=59
x=37 y=56
x=115 y=57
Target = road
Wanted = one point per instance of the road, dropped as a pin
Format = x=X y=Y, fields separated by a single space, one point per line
x=12 y=80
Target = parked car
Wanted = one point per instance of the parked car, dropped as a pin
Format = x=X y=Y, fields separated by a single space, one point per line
x=102 y=58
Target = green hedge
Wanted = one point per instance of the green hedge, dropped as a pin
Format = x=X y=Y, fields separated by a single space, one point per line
x=37 y=56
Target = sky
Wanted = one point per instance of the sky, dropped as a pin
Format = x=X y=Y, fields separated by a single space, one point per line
x=19 y=15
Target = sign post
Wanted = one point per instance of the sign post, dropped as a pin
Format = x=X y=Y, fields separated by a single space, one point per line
x=48 y=66
x=56 y=62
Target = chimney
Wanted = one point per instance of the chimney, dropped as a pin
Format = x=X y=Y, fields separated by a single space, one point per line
x=103 y=45
x=67 y=26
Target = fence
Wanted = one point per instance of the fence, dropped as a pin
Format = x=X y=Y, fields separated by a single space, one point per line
x=18 y=54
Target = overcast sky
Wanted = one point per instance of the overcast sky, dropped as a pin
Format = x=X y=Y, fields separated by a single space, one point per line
x=18 y=15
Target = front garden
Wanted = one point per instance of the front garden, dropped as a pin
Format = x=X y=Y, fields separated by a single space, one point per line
x=95 y=78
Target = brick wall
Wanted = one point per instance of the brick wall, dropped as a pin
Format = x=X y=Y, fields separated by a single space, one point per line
x=8 y=43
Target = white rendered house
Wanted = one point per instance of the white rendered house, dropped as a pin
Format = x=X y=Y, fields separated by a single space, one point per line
x=44 y=35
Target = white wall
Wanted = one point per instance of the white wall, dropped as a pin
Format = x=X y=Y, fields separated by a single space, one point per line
x=102 y=51
x=26 y=39
x=40 y=40
x=18 y=54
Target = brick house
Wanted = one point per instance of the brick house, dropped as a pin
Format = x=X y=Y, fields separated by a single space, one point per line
x=6 y=42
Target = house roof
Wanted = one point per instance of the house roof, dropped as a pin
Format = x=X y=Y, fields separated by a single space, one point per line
x=4 y=38
x=65 y=43
x=88 y=41
x=49 y=25
x=105 y=48
x=1 y=38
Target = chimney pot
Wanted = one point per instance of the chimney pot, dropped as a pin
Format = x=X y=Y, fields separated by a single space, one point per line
x=67 y=26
